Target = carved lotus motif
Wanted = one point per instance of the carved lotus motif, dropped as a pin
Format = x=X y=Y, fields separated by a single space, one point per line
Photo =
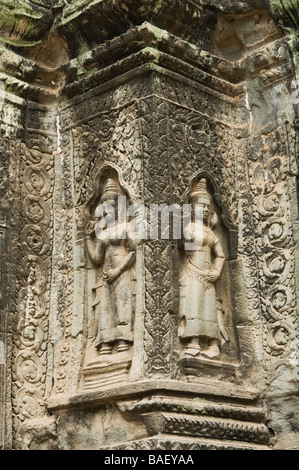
x=31 y=333
x=29 y=402
x=37 y=180
x=35 y=240
x=28 y=367
x=37 y=211
x=31 y=303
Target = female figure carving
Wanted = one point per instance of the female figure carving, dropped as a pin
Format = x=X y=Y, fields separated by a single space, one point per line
x=199 y=309
x=113 y=247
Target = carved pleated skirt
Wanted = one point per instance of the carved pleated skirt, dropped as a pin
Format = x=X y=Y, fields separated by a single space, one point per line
x=198 y=307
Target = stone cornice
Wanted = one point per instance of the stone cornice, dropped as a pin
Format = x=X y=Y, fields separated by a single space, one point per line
x=140 y=46
x=159 y=37
x=24 y=24
x=90 y=399
x=140 y=38
x=144 y=61
x=147 y=44
x=98 y=20
x=85 y=23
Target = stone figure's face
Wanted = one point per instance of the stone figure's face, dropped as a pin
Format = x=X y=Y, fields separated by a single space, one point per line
x=109 y=209
x=206 y=212
x=205 y=207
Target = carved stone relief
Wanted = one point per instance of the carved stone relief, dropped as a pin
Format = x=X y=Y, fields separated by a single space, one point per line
x=190 y=337
x=111 y=245
x=115 y=249
x=88 y=146
x=32 y=320
x=111 y=137
x=272 y=218
x=63 y=257
x=117 y=139
x=200 y=312
x=189 y=141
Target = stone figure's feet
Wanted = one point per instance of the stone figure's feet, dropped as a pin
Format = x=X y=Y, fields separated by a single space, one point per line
x=106 y=349
x=192 y=350
x=212 y=352
x=123 y=346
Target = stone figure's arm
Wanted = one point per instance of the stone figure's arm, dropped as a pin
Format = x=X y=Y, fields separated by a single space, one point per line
x=187 y=237
x=96 y=250
x=128 y=261
x=218 y=263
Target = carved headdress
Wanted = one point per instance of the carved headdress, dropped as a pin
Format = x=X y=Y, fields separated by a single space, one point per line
x=112 y=188
x=200 y=192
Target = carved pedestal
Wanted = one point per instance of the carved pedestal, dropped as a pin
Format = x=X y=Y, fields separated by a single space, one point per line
x=167 y=415
x=99 y=374
x=206 y=367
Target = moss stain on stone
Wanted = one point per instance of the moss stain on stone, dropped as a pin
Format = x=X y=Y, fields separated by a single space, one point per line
x=287 y=14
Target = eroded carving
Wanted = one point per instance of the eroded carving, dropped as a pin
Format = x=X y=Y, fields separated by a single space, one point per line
x=199 y=308
x=113 y=247
x=32 y=183
x=159 y=129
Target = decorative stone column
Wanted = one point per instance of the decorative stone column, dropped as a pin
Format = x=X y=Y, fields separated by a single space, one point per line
x=159 y=109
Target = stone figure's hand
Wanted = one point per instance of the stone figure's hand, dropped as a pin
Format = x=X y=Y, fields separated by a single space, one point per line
x=212 y=276
x=111 y=275
x=90 y=229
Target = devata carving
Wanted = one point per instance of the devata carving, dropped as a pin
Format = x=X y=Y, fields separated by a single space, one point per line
x=111 y=244
x=200 y=330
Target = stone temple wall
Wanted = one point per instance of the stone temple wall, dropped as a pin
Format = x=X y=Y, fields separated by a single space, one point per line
x=136 y=341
